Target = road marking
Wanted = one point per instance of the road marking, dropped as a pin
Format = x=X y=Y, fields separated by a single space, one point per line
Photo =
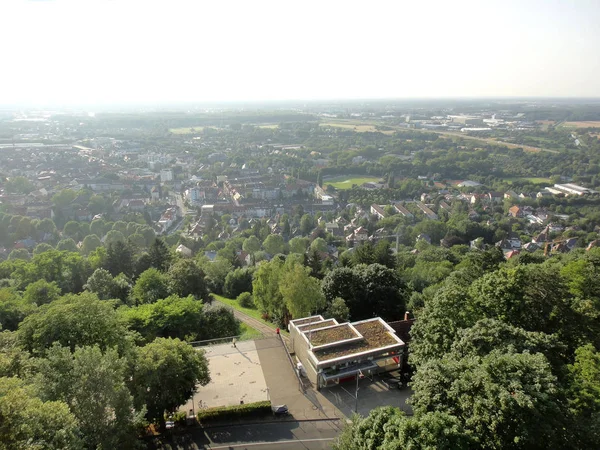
x=295 y=441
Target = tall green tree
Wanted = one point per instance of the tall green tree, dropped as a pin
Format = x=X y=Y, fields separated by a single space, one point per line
x=301 y=293
x=166 y=373
x=92 y=383
x=160 y=255
x=25 y=419
x=186 y=278
x=41 y=292
x=151 y=286
x=73 y=320
x=119 y=258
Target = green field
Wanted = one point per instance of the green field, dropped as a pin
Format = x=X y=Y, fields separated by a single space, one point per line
x=247 y=332
x=344 y=182
x=533 y=180
x=186 y=130
x=250 y=311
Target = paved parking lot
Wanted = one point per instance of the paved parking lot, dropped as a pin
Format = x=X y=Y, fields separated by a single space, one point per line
x=371 y=394
x=236 y=375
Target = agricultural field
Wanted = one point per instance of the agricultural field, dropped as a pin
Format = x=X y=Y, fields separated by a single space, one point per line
x=356 y=126
x=583 y=124
x=186 y=130
x=343 y=182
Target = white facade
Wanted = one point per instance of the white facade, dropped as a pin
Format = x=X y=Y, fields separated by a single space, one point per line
x=166 y=175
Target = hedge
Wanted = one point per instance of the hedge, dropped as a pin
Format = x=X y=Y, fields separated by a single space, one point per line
x=234 y=412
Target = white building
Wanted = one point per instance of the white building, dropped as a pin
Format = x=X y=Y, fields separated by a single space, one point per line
x=166 y=175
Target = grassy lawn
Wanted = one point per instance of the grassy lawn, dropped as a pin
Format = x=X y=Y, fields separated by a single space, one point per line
x=186 y=130
x=250 y=311
x=534 y=180
x=344 y=182
x=247 y=332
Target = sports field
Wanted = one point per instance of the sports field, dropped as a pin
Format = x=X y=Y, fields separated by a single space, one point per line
x=533 y=180
x=345 y=182
x=186 y=130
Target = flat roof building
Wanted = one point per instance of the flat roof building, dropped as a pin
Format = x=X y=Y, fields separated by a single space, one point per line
x=331 y=352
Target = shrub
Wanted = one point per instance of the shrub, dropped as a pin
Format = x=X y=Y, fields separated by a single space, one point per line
x=245 y=300
x=234 y=412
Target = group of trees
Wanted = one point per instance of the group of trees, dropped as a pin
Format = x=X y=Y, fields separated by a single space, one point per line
x=505 y=356
x=92 y=349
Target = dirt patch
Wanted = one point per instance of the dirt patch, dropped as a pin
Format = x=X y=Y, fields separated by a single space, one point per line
x=314 y=326
x=330 y=335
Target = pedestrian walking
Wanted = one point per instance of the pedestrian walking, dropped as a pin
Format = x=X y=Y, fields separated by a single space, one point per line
x=234 y=346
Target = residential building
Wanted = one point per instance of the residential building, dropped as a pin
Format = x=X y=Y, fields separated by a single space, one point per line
x=428 y=212
x=403 y=211
x=377 y=211
x=166 y=175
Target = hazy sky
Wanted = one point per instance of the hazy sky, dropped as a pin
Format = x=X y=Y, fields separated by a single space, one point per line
x=88 y=51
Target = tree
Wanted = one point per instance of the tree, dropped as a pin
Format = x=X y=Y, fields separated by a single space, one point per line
x=238 y=281
x=504 y=400
x=46 y=226
x=584 y=395
x=338 y=310
x=137 y=240
x=389 y=428
x=251 y=245
x=71 y=229
x=369 y=291
x=41 y=248
x=301 y=293
x=19 y=185
x=186 y=278
x=41 y=292
x=312 y=260
x=274 y=244
x=299 y=244
x=19 y=253
x=92 y=383
x=63 y=198
x=165 y=376
x=216 y=272
x=151 y=286
x=175 y=317
x=265 y=288
x=383 y=254
x=159 y=254
x=119 y=258
x=102 y=284
x=12 y=309
x=307 y=224
x=67 y=245
x=90 y=243
x=27 y=419
x=97 y=227
x=319 y=244
x=245 y=300
x=72 y=320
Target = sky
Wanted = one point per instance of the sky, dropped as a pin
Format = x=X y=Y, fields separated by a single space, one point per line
x=73 y=52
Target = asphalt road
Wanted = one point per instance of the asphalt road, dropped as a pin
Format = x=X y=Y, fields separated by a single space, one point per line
x=311 y=435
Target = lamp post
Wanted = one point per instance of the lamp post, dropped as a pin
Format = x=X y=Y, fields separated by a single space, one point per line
x=359 y=375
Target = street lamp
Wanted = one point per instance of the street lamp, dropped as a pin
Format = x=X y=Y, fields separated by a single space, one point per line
x=360 y=376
